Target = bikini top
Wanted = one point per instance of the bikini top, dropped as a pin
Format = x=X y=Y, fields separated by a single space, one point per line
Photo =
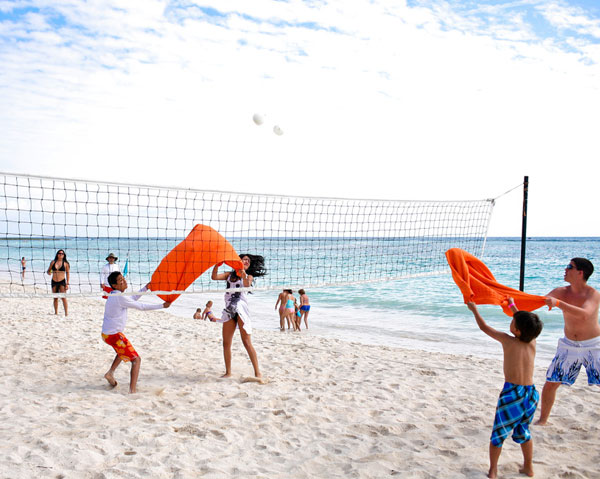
x=62 y=268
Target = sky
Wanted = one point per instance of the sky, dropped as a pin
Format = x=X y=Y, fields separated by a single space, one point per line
x=398 y=99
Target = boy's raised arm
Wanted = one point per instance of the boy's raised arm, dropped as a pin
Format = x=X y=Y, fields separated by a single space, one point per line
x=491 y=332
x=512 y=305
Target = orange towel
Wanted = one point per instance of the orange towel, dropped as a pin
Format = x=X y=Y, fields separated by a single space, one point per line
x=477 y=284
x=204 y=247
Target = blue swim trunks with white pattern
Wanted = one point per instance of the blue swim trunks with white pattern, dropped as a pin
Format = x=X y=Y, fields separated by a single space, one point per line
x=570 y=356
x=515 y=410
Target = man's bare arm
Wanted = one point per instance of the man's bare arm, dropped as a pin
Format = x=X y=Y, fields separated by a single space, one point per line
x=589 y=307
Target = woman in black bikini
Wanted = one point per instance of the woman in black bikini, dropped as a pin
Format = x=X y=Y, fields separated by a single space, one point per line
x=60 y=271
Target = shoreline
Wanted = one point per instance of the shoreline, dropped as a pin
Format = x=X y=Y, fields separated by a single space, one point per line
x=330 y=408
x=469 y=342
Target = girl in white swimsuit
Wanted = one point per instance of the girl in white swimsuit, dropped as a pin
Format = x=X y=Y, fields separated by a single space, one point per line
x=237 y=312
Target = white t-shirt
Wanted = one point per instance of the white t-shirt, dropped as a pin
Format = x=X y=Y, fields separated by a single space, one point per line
x=115 y=311
x=106 y=270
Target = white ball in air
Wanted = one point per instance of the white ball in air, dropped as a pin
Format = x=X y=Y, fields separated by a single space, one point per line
x=258 y=119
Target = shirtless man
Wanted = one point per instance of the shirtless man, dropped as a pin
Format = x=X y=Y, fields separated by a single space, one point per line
x=581 y=344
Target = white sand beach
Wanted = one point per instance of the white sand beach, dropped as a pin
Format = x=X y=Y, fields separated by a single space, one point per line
x=330 y=409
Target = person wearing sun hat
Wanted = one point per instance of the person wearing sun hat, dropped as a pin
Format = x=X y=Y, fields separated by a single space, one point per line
x=108 y=268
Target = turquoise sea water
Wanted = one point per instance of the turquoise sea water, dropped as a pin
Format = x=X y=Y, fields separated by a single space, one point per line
x=420 y=313
x=428 y=313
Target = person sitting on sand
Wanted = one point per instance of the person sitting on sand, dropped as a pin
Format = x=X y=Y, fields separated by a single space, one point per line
x=208 y=314
x=198 y=314
x=518 y=399
x=115 y=318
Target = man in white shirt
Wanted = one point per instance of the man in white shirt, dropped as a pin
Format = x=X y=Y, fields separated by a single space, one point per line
x=108 y=268
x=115 y=318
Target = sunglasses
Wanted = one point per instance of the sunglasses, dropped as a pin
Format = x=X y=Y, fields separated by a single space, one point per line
x=570 y=266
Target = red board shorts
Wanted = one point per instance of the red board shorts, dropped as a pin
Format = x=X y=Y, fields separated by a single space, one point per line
x=121 y=345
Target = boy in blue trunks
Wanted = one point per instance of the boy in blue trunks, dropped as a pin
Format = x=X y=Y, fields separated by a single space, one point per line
x=518 y=399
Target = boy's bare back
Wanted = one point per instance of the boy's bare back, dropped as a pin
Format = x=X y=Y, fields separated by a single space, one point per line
x=519 y=360
x=519 y=356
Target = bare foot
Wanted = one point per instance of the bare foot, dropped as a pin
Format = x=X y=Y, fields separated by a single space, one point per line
x=226 y=375
x=539 y=422
x=527 y=471
x=492 y=473
x=111 y=379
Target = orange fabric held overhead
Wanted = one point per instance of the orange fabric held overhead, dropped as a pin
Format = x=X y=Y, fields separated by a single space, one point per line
x=477 y=284
x=204 y=247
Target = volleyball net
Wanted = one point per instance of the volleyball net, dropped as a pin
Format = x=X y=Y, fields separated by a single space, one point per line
x=306 y=242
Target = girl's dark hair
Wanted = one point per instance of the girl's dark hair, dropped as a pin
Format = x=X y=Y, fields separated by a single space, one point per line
x=64 y=256
x=257 y=265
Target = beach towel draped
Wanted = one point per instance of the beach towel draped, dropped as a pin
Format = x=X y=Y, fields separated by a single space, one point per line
x=202 y=248
x=477 y=284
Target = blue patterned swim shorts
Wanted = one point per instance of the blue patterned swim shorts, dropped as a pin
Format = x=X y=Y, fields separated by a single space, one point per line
x=570 y=356
x=515 y=410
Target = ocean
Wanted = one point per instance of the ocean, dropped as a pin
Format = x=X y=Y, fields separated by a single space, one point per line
x=421 y=313
x=428 y=313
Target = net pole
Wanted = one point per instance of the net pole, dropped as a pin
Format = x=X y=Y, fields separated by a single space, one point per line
x=524 y=233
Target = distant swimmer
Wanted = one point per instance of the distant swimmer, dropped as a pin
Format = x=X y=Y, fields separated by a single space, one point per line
x=579 y=303
x=23 y=267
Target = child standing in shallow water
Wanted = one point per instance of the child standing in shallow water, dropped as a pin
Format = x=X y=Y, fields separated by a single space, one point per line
x=518 y=399
x=304 y=306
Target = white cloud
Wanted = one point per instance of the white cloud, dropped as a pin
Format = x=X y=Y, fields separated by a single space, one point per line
x=570 y=18
x=378 y=100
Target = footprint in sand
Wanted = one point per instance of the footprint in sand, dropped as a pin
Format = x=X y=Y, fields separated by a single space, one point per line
x=253 y=379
